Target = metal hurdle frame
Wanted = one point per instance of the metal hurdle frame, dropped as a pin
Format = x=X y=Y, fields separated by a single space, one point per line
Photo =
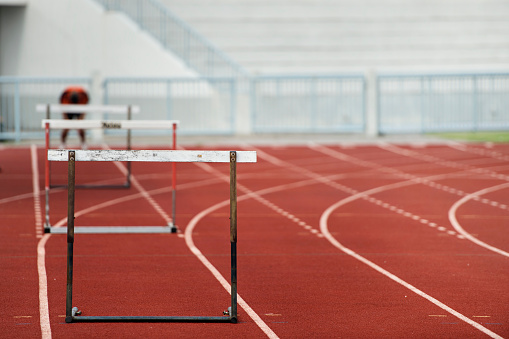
x=233 y=157
x=114 y=124
x=128 y=110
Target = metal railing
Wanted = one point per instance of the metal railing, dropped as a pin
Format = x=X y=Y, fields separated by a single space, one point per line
x=416 y=103
x=421 y=103
x=18 y=97
x=178 y=37
x=202 y=105
x=308 y=104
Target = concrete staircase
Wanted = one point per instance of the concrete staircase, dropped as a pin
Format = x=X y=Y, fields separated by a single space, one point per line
x=318 y=36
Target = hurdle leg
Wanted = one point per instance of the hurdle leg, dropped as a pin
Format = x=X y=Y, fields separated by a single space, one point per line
x=174 y=183
x=47 y=225
x=70 y=234
x=128 y=178
x=233 y=233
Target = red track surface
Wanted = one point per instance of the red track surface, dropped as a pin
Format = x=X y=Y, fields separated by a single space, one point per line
x=356 y=242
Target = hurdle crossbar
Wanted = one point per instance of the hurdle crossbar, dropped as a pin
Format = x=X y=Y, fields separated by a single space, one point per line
x=71 y=156
x=70 y=108
x=49 y=124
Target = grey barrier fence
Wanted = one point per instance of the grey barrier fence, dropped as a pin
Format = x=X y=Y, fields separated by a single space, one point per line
x=18 y=97
x=308 y=104
x=443 y=102
x=290 y=104
x=177 y=36
x=203 y=106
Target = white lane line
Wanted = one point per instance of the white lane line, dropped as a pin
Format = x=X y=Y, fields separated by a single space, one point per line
x=459 y=229
x=41 y=252
x=122 y=168
x=189 y=241
x=442 y=162
x=325 y=231
x=41 y=267
x=43 y=288
x=36 y=191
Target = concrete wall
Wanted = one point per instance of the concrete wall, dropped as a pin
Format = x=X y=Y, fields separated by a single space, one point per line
x=78 y=38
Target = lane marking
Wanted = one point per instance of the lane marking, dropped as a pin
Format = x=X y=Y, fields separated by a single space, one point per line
x=459 y=229
x=423 y=180
x=325 y=231
x=41 y=253
x=334 y=242
x=123 y=169
x=226 y=285
x=43 y=288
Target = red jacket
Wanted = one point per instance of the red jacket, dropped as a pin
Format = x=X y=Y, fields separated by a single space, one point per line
x=74 y=95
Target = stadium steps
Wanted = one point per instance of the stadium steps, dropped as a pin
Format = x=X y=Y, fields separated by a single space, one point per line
x=306 y=36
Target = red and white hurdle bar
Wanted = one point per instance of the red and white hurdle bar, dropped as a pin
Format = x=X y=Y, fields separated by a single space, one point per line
x=127 y=110
x=71 y=156
x=49 y=124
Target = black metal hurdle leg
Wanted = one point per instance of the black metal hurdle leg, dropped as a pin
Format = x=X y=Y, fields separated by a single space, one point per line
x=70 y=233
x=233 y=233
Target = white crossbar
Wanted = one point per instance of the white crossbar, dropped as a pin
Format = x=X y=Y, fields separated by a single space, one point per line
x=115 y=109
x=109 y=124
x=152 y=156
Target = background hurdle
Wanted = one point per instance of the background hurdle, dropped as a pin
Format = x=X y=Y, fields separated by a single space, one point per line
x=117 y=124
x=233 y=157
x=128 y=110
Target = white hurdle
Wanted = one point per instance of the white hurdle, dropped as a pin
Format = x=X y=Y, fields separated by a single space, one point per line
x=71 y=156
x=69 y=108
x=49 y=124
x=127 y=110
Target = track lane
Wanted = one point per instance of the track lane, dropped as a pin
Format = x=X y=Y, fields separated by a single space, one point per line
x=285 y=290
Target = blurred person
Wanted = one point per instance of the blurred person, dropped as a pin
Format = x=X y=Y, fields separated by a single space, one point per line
x=74 y=95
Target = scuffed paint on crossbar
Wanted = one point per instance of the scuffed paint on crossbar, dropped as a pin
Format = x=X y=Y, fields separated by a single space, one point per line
x=109 y=124
x=152 y=156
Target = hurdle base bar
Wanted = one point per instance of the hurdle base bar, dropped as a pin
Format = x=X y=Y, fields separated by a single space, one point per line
x=90 y=186
x=114 y=229
x=149 y=319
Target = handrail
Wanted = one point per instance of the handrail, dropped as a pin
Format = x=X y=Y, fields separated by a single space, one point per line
x=174 y=34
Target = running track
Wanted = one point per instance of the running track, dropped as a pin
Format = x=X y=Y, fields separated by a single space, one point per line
x=358 y=241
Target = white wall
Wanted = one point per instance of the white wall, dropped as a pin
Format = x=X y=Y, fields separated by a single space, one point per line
x=78 y=38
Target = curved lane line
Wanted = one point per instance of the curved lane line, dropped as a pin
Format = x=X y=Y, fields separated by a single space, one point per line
x=459 y=229
x=189 y=241
x=325 y=231
x=337 y=244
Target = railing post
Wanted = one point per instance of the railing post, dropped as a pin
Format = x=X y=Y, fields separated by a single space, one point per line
x=17 y=112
